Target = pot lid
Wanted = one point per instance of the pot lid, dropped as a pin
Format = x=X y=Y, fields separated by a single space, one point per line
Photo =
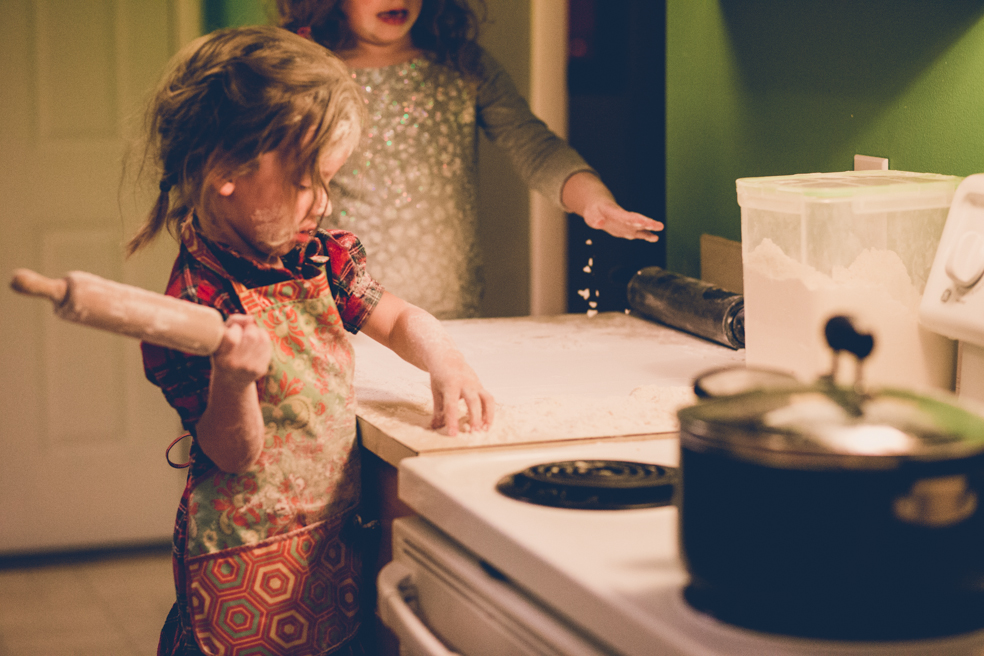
x=734 y=380
x=826 y=425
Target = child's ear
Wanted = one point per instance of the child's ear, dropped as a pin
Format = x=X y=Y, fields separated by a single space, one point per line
x=224 y=187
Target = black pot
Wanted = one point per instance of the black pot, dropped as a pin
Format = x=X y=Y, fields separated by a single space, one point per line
x=828 y=511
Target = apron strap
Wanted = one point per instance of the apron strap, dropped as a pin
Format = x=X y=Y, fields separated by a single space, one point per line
x=167 y=453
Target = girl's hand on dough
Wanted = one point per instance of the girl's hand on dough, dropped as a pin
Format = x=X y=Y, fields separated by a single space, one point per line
x=244 y=353
x=454 y=380
x=417 y=337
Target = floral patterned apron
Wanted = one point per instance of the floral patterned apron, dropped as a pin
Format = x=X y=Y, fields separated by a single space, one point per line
x=267 y=563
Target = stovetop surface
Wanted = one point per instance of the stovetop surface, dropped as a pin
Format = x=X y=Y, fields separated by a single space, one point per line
x=615 y=573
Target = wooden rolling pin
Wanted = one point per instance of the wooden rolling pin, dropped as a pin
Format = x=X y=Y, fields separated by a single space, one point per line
x=155 y=318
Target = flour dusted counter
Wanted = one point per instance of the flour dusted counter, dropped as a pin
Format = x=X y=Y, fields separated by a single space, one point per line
x=556 y=378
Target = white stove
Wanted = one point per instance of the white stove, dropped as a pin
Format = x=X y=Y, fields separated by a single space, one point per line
x=481 y=573
x=952 y=302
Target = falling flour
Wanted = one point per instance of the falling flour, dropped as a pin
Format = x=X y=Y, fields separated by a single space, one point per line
x=787 y=304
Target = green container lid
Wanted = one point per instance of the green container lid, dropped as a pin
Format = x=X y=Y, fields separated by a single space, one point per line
x=868 y=191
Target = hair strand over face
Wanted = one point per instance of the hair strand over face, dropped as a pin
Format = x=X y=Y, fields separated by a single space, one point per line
x=233 y=95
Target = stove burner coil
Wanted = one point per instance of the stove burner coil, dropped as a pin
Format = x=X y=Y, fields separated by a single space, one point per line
x=592 y=485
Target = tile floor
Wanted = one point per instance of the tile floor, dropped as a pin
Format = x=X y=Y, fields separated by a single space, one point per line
x=99 y=606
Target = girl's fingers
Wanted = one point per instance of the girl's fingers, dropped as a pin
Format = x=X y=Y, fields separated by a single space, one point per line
x=619 y=222
x=481 y=410
x=459 y=395
x=240 y=320
x=476 y=415
x=245 y=350
x=451 y=415
x=488 y=405
x=438 y=419
x=233 y=335
x=643 y=222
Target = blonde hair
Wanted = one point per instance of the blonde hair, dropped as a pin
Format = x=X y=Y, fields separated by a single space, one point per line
x=229 y=97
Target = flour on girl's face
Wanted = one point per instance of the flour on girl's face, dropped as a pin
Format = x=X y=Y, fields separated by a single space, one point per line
x=258 y=214
x=265 y=213
x=346 y=135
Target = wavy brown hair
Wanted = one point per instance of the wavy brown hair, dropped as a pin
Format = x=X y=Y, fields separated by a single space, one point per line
x=229 y=97
x=447 y=29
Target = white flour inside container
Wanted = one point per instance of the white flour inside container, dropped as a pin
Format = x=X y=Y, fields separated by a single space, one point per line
x=787 y=304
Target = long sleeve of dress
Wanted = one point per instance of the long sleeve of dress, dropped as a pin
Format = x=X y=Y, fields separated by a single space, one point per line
x=542 y=159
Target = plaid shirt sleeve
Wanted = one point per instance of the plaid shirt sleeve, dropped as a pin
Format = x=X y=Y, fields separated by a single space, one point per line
x=356 y=292
x=184 y=378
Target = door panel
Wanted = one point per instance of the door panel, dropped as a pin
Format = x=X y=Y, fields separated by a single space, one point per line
x=82 y=433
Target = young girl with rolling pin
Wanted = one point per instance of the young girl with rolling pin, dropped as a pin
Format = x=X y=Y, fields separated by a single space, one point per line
x=429 y=87
x=248 y=126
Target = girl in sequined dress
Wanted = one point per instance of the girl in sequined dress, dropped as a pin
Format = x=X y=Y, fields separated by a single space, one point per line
x=410 y=189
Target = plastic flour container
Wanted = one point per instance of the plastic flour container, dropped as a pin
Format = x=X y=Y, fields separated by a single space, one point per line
x=857 y=243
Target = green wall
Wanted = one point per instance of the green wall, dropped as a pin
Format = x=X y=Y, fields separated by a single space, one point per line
x=234 y=13
x=773 y=87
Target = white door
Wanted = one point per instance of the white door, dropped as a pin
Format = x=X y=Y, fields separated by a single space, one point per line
x=82 y=433
x=524 y=235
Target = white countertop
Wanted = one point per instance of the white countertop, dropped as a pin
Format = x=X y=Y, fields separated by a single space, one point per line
x=556 y=378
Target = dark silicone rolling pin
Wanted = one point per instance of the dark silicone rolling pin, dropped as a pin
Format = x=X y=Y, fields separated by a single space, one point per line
x=690 y=305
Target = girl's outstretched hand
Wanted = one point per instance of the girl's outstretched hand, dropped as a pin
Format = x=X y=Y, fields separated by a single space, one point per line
x=584 y=193
x=607 y=215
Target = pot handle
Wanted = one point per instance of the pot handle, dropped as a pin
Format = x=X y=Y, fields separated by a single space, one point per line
x=843 y=336
x=937 y=502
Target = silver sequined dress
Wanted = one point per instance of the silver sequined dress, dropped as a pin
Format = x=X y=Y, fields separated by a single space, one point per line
x=410 y=190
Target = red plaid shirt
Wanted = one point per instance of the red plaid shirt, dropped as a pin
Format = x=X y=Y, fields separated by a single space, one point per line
x=196 y=277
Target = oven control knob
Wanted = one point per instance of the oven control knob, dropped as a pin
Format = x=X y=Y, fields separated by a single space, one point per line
x=966 y=262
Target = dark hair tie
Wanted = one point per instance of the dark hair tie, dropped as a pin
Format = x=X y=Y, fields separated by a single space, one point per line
x=164 y=186
x=304 y=32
